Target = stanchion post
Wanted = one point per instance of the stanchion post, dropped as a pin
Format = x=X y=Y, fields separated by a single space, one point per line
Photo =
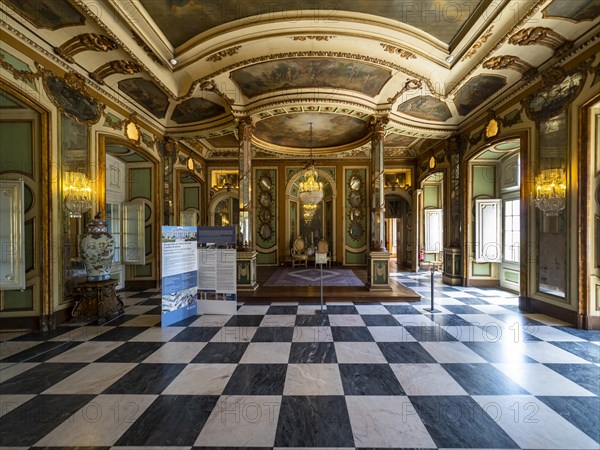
x=432 y=272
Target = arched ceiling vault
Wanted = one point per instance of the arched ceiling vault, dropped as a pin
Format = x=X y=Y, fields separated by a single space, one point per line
x=195 y=66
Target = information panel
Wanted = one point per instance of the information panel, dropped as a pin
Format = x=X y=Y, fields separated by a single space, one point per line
x=217 y=287
x=179 y=273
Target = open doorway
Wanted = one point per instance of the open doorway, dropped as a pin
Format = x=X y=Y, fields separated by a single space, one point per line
x=398 y=223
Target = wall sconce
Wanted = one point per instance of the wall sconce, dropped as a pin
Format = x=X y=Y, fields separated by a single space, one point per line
x=77 y=193
x=550 y=191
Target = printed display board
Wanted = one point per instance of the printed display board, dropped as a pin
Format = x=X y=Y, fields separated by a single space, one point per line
x=179 y=273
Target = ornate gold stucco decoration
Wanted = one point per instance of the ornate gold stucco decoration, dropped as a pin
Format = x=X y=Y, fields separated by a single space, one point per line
x=410 y=85
x=85 y=42
x=538 y=36
x=223 y=53
x=312 y=38
x=507 y=62
x=477 y=45
x=405 y=54
x=139 y=41
x=113 y=67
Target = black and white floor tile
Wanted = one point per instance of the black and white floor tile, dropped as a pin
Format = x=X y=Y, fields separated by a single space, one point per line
x=475 y=374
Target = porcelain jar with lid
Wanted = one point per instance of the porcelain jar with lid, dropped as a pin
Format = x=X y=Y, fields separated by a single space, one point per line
x=97 y=250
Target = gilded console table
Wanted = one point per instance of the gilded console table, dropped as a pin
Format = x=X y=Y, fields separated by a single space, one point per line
x=97 y=299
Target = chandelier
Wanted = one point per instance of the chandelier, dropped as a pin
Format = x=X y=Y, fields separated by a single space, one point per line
x=311 y=191
x=550 y=191
x=77 y=193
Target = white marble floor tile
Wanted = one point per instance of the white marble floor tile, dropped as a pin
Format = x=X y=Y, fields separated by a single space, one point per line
x=99 y=423
x=13 y=347
x=157 y=334
x=278 y=320
x=371 y=309
x=234 y=334
x=9 y=370
x=313 y=379
x=91 y=379
x=473 y=333
x=425 y=307
x=201 y=379
x=379 y=421
x=439 y=300
x=544 y=352
x=252 y=310
x=458 y=294
x=175 y=352
x=532 y=424
x=242 y=421
x=391 y=334
x=452 y=352
x=529 y=375
x=210 y=320
x=482 y=320
x=83 y=333
x=87 y=352
x=413 y=320
x=267 y=353
x=8 y=335
x=359 y=352
x=143 y=321
x=312 y=334
x=426 y=379
x=346 y=320
x=9 y=403
x=310 y=309
x=548 y=333
x=493 y=309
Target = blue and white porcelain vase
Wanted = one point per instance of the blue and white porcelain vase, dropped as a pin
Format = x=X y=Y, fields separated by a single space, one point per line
x=97 y=250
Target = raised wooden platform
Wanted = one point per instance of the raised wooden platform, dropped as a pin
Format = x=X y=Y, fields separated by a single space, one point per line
x=399 y=293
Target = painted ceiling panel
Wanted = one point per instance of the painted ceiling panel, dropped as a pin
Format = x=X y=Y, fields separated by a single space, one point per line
x=397 y=140
x=426 y=107
x=147 y=94
x=576 y=10
x=476 y=91
x=196 y=109
x=226 y=141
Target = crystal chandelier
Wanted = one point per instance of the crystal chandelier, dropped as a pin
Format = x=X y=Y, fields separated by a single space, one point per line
x=77 y=193
x=550 y=191
x=311 y=191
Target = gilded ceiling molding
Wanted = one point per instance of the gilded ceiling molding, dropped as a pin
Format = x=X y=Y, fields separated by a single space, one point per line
x=311 y=53
x=223 y=53
x=364 y=110
x=399 y=153
x=112 y=121
x=477 y=45
x=404 y=54
x=211 y=86
x=507 y=62
x=85 y=42
x=20 y=75
x=538 y=36
x=139 y=41
x=312 y=38
x=410 y=85
x=113 y=67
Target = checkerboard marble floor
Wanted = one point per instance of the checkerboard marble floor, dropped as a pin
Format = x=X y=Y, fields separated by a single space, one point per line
x=476 y=374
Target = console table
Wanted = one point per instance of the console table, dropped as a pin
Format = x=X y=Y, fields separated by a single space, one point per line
x=97 y=298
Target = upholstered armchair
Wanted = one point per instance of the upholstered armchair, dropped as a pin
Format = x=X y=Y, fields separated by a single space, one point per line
x=323 y=249
x=298 y=252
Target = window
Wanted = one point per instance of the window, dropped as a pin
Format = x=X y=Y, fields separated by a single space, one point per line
x=113 y=220
x=434 y=230
x=488 y=231
x=512 y=230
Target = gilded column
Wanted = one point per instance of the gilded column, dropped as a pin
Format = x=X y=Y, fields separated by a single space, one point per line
x=452 y=269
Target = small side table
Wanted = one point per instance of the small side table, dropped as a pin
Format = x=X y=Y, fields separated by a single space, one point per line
x=97 y=298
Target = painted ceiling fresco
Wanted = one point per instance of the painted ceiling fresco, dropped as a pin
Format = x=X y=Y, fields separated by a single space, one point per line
x=226 y=141
x=181 y=20
x=576 y=10
x=50 y=14
x=196 y=109
x=293 y=130
x=397 y=140
x=475 y=91
x=310 y=72
x=426 y=107
x=147 y=94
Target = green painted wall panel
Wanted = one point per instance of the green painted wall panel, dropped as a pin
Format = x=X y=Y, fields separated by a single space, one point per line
x=29 y=240
x=16 y=147
x=18 y=300
x=431 y=196
x=191 y=197
x=484 y=181
x=140 y=180
x=143 y=271
x=482 y=270
x=356 y=258
x=513 y=277
x=266 y=258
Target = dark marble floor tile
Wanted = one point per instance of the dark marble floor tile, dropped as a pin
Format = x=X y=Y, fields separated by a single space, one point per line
x=292 y=309
x=146 y=379
x=134 y=352
x=221 y=353
x=39 y=378
x=143 y=294
x=585 y=375
x=79 y=447
x=522 y=320
x=31 y=421
x=430 y=333
x=154 y=311
x=185 y=322
x=586 y=350
x=273 y=334
x=41 y=352
x=171 y=420
x=496 y=352
x=120 y=334
x=116 y=320
x=153 y=302
x=483 y=379
x=369 y=379
x=473 y=301
x=379 y=320
x=257 y=379
x=583 y=412
x=312 y=353
x=401 y=309
x=341 y=309
x=405 y=352
x=462 y=309
x=43 y=336
x=245 y=321
x=196 y=334
x=588 y=335
x=449 y=320
x=313 y=320
x=314 y=421
x=458 y=421
x=351 y=334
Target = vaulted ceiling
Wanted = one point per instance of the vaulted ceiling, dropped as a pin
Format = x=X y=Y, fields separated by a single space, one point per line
x=192 y=67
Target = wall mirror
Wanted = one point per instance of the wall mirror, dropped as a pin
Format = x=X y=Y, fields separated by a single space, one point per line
x=265 y=215
x=355 y=182
x=355 y=199
x=265 y=183
x=356 y=230
x=265 y=199
x=265 y=231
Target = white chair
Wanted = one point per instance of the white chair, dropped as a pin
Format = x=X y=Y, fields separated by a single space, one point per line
x=323 y=249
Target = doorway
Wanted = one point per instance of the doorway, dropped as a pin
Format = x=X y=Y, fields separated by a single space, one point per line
x=398 y=222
